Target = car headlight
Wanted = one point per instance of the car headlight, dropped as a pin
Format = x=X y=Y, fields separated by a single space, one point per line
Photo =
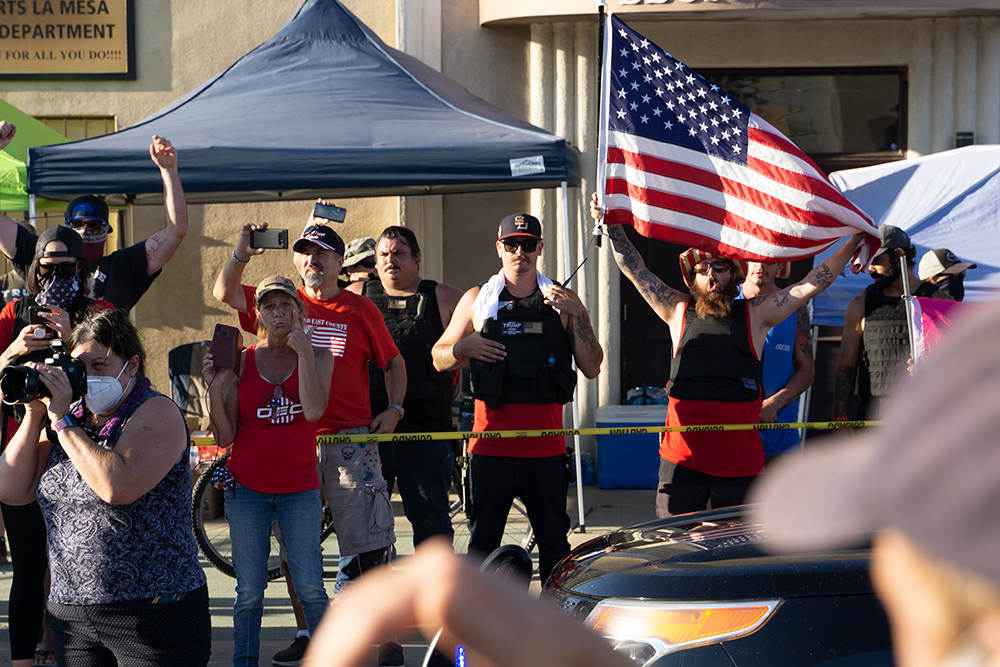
x=645 y=630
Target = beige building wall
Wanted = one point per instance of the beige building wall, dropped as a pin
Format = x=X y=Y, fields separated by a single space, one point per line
x=542 y=69
x=180 y=44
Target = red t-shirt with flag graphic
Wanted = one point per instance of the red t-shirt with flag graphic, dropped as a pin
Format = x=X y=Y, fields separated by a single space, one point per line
x=352 y=328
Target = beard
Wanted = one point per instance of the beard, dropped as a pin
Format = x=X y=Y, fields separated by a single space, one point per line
x=313 y=279
x=717 y=303
x=884 y=281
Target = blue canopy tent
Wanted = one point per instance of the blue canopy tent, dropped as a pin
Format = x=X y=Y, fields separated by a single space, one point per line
x=323 y=108
x=944 y=200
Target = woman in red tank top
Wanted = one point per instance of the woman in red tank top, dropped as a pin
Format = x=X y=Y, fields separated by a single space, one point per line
x=268 y=415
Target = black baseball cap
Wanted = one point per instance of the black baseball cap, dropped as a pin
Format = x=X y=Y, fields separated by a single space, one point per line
x=72 y=240
x=892 y=238
x=88 y=207
x=520 y=224
x=322 y=236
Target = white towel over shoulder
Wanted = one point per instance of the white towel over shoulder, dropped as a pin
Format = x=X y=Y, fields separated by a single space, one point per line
x=485 y=305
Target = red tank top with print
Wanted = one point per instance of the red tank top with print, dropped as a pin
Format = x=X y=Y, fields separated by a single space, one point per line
x=275 y=447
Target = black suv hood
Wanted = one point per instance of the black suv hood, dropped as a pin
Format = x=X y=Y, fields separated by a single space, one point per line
x=714 y=555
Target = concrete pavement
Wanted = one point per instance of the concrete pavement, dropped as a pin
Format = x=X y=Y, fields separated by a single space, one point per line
x=606 y=510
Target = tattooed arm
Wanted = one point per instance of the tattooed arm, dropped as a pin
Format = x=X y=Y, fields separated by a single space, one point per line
x=586 y=350
x=662 y=299
x=772 y=309
x=805 y=370
x=850 y=357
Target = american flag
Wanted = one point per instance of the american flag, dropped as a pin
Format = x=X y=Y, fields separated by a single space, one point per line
x=682 y=161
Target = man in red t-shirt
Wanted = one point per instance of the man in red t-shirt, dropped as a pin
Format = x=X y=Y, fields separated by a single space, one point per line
x=544 y=326
x=352 y=328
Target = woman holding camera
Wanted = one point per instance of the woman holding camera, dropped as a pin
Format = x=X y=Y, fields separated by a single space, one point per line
x=267 y=416
x=57 y=280
x=112 y=479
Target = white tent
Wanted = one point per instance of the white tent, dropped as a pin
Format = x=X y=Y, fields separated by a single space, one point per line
x=945 y=200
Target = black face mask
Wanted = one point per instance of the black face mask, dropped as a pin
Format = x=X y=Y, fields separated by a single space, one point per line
x=953 y=286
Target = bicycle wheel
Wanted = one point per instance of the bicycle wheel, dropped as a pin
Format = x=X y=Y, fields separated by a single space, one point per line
x=211 y=530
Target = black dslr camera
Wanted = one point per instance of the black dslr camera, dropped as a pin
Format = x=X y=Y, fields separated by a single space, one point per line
x=20 y=384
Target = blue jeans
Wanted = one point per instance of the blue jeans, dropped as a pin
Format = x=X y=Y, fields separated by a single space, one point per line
x=299 y=517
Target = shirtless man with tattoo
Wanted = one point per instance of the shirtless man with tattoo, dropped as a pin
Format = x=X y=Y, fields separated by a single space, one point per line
x=123 y=276
x=789 y=367
x=520 y=333
x=715 y=375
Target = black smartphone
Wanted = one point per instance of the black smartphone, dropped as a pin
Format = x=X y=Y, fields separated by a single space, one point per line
x=35 y=315
x=269 y=238
x=334 y=213
x=227 y=343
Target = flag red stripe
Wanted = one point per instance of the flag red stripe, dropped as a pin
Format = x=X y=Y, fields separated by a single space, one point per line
x=806 y=183
x=663 y=232
x=782 y=144
x=709 y=213
x=684 y=172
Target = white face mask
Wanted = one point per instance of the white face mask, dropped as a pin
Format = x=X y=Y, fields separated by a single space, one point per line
x=104 y=392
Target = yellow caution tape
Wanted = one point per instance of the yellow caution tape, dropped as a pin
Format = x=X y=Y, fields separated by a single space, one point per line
x=622 y=430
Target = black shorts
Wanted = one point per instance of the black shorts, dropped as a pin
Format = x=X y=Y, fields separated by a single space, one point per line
x=138 y=633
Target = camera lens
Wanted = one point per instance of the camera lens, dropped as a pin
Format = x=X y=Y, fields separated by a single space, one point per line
x=20 y=384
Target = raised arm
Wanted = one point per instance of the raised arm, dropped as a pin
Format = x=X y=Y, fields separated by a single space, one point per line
x=850 y=357
x=461 y=342
x=229 y=285
x=663 y=299
x=772 y=309
x=23 y=460
x=162 y=245
x=315 y=367
x=586 y=350
x=223 y=400
x=805 y=370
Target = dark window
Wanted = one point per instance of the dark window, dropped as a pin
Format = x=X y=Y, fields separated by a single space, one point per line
x=841 y=118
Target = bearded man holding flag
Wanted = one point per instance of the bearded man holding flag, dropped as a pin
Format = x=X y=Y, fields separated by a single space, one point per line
x=681 y=161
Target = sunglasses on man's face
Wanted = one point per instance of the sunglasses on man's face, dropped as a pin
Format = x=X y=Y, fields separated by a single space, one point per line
x=63 y=269
x=527 y=245
x=704 y=268
x=92 y=224
x=367 y=263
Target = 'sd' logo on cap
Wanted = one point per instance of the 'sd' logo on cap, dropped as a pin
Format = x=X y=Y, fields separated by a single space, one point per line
x=520 y=222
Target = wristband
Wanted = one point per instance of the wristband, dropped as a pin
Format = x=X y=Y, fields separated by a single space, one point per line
x=240 y=261
x=66 y=421
x=399 y=409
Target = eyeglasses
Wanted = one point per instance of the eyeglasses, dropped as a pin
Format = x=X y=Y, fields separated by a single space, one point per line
x=704 y=268
x=367 y=263
x=63 y=269
x=527 y=245
x=92 y=224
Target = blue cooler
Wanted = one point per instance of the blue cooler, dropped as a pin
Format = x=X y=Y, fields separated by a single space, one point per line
x=629 y=461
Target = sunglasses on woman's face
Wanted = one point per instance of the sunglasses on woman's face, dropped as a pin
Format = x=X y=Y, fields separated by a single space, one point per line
x=704 y=268
x=63 y=269
x=527 y=245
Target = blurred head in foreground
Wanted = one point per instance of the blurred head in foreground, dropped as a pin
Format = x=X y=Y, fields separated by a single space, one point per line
x=927 y=487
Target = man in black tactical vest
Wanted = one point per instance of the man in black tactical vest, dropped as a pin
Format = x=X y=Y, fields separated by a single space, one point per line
x=715 y=372
x=416 y=312
x=875 y=346
x=520 y=333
